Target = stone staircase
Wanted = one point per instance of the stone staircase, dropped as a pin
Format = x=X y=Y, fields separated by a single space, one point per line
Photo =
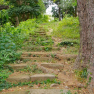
x=52 y=64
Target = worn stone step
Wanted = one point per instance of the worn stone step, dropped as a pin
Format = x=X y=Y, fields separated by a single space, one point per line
x=18 y=66
x=41 y=53
x=41 y=77
x=15 y=78
x=39 y=91
x=39 y=48
x=40 y=31
x=45 y=70
x=36 y=58
x=53 y=65
x=36 y=35
x=66 y=57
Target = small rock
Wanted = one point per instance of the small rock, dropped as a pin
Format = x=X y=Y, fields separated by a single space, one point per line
x=66 y=87
x=80 y=85
x=64 y=73
x=63 y=83
x=54 y=85
x=58 y=70
x=71 y=84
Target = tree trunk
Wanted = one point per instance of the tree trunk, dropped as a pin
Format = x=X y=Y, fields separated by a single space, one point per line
x=85 y=58
x=75 y=12
x=59 y=15
x=17 y=21
x=3 y=7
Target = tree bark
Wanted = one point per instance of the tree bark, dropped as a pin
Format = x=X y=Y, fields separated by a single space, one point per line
x=59 y=15
x=75 y=12
x=17 y=21
x=3 y=7
x=85 y=58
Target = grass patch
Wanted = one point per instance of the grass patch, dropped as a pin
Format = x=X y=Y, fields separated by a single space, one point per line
x=81 y=74
x=32 y=68
x=68 y=28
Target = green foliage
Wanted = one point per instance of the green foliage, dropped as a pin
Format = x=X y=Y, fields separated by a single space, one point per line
x=25 y=9
x=47 y=48
x=67 y=6
x=53 y=55
x=42 y=6
x=42 y=41
x=55 y=12
x=8 y=47
x=42 y=19
x=12 y=38
x=84 y=73
x=68 y=28
x=3 y=17
x=69 y=92
x=32 y=68
x=81 y=74
x=48 y=81
x=27 y=27
x=64 y=4
x=69 y=43
x=2 y=2
x=3 y=75
x=8 y=57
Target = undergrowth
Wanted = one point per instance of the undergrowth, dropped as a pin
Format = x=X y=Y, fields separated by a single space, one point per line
x=67 y=28
x=12 y=39
x=81 y=74
x=6 y=85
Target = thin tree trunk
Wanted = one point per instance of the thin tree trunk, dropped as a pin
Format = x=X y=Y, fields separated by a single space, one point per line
x=75 y=12
x=17 y=21
x=59 y=15
x=3 y=7
x=27 y=16
x=85 y=58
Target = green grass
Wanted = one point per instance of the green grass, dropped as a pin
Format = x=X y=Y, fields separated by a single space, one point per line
x=81 y=74
x=32 y=68
x=68 y=28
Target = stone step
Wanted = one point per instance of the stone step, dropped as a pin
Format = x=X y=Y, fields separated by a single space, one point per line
x=66 y=57
x=40 y=31
x=15 y=78
x=39 y=48
x=41 y=77
x=41 y=35
x=53 y=65
x=41 y=53
x=46 y=70
x=36 y=58
x=18 y=66
x=39 y=91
